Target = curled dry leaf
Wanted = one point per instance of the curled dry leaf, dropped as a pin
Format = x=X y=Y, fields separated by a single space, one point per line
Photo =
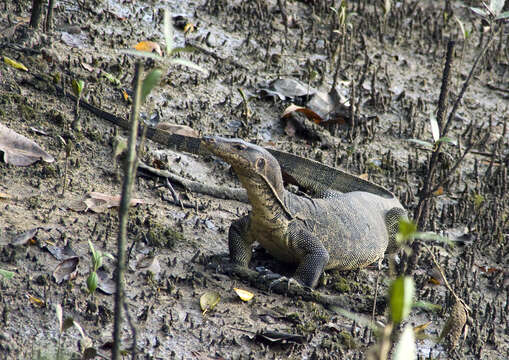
x=149 y=46
x=244 y=295
x=177 y=129
x=311 y=115
x=19 y=150
x=66 y=270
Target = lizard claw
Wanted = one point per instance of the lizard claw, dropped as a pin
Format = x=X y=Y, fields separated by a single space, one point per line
x=288 y=281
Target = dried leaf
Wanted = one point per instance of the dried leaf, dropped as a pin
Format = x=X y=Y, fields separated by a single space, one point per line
x=175 y=129
x=66 y=270
x=209 y=300
x=105 y=283
x=19 y=150
x=287 y=88
x=150 y=264
x=23 y=238
x=244 y=295
x=149 y=46
x=15 y=64
x=311 y=115
x=98 y=202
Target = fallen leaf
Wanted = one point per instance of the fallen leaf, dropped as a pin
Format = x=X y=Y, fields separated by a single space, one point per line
x=311 y=115
x=244 y=295
x=105 y=283
x=66 y=270
x=98 y=202
x=36 y=301
x=209 y=300
x=287 y=88
x=149 y=46
x=149 y=264
x=175 y=129
x=15 y=64
x=87 y=67
x=420 y=328
x=23 y=238
x=19 y=150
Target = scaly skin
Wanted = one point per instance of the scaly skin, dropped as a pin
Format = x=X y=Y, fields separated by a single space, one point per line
x=338 y=230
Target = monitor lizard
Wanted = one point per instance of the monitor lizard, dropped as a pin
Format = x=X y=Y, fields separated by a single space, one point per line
x=334 y=230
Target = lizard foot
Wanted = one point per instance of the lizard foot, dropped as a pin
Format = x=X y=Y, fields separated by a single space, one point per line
x=289 y=282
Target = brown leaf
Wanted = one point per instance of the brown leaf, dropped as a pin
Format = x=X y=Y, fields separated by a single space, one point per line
x=23 y=238
x=98 y=202
x=105 y=283
x=177 y=129
x=66 y=270
x=19 y=150
x=311 y=115
x=149 y=46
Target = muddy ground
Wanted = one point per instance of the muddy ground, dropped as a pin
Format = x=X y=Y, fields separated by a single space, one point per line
x=394 y=68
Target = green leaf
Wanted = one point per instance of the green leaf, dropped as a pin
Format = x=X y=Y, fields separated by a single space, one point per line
x=479 y=11
x=6 y=274
x=184 y=49
x=189 y=64
x=92 y=282
x=406 y=348
x=427 y=236
x=91 y=246
x=112 y=79
x=407 y=228
x=168 y=32
x=502 y=16
x=401 y=298
x=447 y=140
x=152 y=79
x=427 y=306
x=77 y=87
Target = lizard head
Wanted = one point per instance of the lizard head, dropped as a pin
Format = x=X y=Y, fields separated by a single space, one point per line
x=248 y=160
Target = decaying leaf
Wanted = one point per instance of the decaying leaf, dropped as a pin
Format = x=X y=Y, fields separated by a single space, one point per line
x=105 y=283
x=149 y=264
x=287 y=88
x=66 y=270
x=177 y=129
x=273 y=337
x=420 y=328
x=209 y=300
x=149 y=46
x=98 y=202
x=24 y=237
x=19 y=150
x=244 y=295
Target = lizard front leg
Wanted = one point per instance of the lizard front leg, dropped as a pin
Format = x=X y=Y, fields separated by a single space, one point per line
x=314 y=255
x=239 y=243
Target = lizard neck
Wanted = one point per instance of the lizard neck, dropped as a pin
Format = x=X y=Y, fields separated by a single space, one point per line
x=267 y=198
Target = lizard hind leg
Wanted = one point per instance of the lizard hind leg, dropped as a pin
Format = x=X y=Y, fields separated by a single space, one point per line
x=314 y=256
x=239 y=242
x=392 y=218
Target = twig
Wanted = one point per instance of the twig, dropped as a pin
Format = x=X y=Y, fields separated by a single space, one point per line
x=130 y=173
